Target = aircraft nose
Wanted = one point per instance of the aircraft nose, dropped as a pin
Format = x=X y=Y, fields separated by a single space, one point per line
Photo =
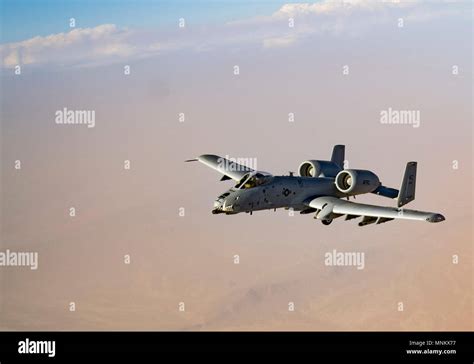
x=436 y=218
x=217 y=207
x=223 y=205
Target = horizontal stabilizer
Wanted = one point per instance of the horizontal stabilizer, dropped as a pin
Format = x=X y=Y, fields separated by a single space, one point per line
x=386 y=192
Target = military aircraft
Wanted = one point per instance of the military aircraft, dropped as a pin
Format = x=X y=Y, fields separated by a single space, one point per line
x=321 y=188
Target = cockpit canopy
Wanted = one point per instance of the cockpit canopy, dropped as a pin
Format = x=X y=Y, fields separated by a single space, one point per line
x=251 y=180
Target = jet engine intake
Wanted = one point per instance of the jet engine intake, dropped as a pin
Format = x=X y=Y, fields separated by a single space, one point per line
x=356 y=181
x=315 y=168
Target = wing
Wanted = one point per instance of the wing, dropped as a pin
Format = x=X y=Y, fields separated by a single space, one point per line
x=332 y=207
x=222 y=165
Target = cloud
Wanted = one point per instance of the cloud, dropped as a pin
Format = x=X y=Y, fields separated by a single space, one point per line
x=277 y=42
x=103 y=42
x=352 y=17
x=107 y=43
x=339 y=7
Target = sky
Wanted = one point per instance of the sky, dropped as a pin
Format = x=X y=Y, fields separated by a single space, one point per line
x=47 y=17
x=424 y=65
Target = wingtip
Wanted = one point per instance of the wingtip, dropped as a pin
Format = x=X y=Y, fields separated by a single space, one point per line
x=191 y=160
x=436 y=218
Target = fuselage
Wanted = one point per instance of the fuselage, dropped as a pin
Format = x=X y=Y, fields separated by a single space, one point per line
x=276 y=192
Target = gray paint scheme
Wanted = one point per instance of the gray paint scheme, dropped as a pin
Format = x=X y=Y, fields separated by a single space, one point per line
x=318 y=194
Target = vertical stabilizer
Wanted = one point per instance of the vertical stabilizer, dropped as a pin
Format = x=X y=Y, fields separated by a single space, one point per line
x=338 y=155
x=407 y=189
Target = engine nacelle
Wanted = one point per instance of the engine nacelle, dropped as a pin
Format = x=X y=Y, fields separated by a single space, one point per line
x=356 y=181
x=314 y=168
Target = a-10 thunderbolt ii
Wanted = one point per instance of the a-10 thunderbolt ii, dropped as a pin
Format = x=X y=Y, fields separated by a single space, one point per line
x=323 y=188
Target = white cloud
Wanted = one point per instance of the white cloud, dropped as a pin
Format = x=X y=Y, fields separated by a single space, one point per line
x=77 y=46
x=277 y=42
x=340 y=6
x=107 y=43
x=353 y=17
